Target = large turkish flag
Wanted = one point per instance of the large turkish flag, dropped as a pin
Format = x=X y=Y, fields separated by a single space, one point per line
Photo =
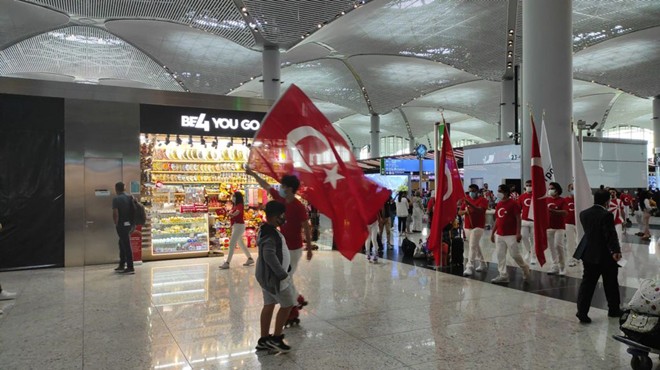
x=449 y=190
x=539 y=206
x=296 y=138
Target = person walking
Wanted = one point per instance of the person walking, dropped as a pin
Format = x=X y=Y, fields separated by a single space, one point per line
x=474 y=211
x=556 y=228
x=599 y=251
x=527 y=224
x=645 y=207
x=372 y=239
x=385 y=224
x=402 y=213
x=506 y=235
x=122 y=215
x=237 y=222
x=274 y=277
x=615 y=206
x=417 y=213
x=571 y=229
x=430 y=205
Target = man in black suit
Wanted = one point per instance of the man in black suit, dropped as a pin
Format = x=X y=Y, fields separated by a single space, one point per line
x=599 y=251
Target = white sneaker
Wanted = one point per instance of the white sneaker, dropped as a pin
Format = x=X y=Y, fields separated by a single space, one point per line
x=483 y=266
x=224 y=266
x=249 y=262
x=468 y=272
x=527 y=272
x=375 y=260
x=500 y=280
x=562 y=271
x=5 y=295
x=554 y=270
x=572 y=262
x=532 y=260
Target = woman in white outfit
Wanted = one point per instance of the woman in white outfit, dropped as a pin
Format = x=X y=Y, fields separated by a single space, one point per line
x=402 y=212
x=418 y=213
x=372 y=239
x=645 y=206
x=237 y=231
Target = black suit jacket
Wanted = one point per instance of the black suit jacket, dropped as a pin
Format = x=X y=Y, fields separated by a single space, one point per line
x=600 y=240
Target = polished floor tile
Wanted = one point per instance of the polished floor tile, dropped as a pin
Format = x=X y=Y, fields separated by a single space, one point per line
x=188 y=314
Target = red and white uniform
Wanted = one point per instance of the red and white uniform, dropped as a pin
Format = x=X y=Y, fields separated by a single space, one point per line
x=557 y=232
x=475 y=222
x=527 y=224
x=571 y=229
x=506 y=223
x=615 y=206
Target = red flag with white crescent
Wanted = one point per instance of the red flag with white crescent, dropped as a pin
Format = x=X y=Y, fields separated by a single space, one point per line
x=449 y=190
x=539 y=200
x=296 y=138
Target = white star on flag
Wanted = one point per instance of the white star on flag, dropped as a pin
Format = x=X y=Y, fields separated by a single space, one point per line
x=331 y=176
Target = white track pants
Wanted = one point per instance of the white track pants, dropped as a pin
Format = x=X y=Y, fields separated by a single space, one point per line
x=473 y=252
x=556 y=244
x=502 y=243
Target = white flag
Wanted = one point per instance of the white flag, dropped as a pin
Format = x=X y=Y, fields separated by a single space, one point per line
x=548 y=172
x=581 y=189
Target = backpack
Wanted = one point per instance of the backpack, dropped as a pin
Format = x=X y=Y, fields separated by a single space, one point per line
x=138 y=213
x=408 y=248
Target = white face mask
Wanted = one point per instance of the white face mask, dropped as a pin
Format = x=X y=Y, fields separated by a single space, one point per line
x=500 y=196
x=528 y=189
x=552 y=192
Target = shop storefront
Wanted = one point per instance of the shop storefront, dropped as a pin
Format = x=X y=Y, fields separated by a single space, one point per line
x=192 y=161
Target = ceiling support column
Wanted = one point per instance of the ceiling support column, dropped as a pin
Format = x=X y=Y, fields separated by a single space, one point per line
x=271 y=72
x=547 y=81
x=507 y=109
x=656 y=125
x=375 y=136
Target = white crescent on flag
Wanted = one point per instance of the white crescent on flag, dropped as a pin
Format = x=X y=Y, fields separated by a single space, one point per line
x=296 y=135
x=450 y=188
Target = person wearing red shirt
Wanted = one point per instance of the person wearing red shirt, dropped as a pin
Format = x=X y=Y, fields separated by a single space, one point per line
x=627 y=201
x=430 y=206
x=506 y=235
x=527 y=224
x=615 y=207
x=556 y=228
x=237 y=222
x=571 y=229
x=295 y=214
x=474 y=211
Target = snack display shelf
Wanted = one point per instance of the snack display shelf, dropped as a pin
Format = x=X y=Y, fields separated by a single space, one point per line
x=198 y=172
x=194 y=161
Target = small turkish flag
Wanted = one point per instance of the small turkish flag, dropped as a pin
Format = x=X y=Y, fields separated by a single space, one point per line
x=296 y=138
x=539 y=206
x=449 y=190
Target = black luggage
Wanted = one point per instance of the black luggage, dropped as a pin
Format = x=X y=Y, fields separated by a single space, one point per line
x=408 y=248
x=641 y=328
x=456 y=250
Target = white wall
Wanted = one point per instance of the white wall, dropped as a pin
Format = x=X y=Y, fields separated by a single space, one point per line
x=617 y=163
x=493 y=163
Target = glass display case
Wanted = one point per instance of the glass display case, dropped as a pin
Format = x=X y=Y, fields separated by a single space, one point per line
x=177 y=233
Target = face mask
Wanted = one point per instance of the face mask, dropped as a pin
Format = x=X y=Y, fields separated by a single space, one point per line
x=500 y=196
x=528 y=189
x=552 y=192
x=570 y=192
x=282 y=193
x=473 y=195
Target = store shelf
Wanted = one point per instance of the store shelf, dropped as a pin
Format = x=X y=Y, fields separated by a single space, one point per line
x=203 y=182
x=195 y=161
x=198 y=172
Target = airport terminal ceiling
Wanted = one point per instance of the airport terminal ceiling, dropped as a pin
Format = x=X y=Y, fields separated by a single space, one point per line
x=402 y=59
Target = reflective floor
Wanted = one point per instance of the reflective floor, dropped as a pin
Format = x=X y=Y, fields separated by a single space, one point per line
x=189 y=314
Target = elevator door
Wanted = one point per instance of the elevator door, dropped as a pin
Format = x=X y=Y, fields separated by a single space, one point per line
x=101 y=241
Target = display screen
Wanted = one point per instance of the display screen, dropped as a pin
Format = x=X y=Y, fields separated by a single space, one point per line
x=405 y=166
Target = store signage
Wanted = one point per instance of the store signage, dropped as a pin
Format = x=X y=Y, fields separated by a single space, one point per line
x=158 y=119
x=391 y=166
x=200 y=122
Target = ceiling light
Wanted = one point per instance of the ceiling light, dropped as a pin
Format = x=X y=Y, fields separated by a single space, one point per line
x=244 y=9
x=319 y=25
x=178 y=140
x=190 y=141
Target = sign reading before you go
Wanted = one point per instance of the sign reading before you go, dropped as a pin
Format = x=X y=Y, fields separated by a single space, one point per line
x=204 y=122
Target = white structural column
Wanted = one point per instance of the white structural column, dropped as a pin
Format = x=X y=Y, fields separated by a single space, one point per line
x=411 y=144
x=375 y=136
x=271 y=72
x=656 y=124
x=547 y=80
x=507 y=109
x=656 y=136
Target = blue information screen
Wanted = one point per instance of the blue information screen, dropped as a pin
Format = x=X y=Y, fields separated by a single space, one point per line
x=405 y=166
